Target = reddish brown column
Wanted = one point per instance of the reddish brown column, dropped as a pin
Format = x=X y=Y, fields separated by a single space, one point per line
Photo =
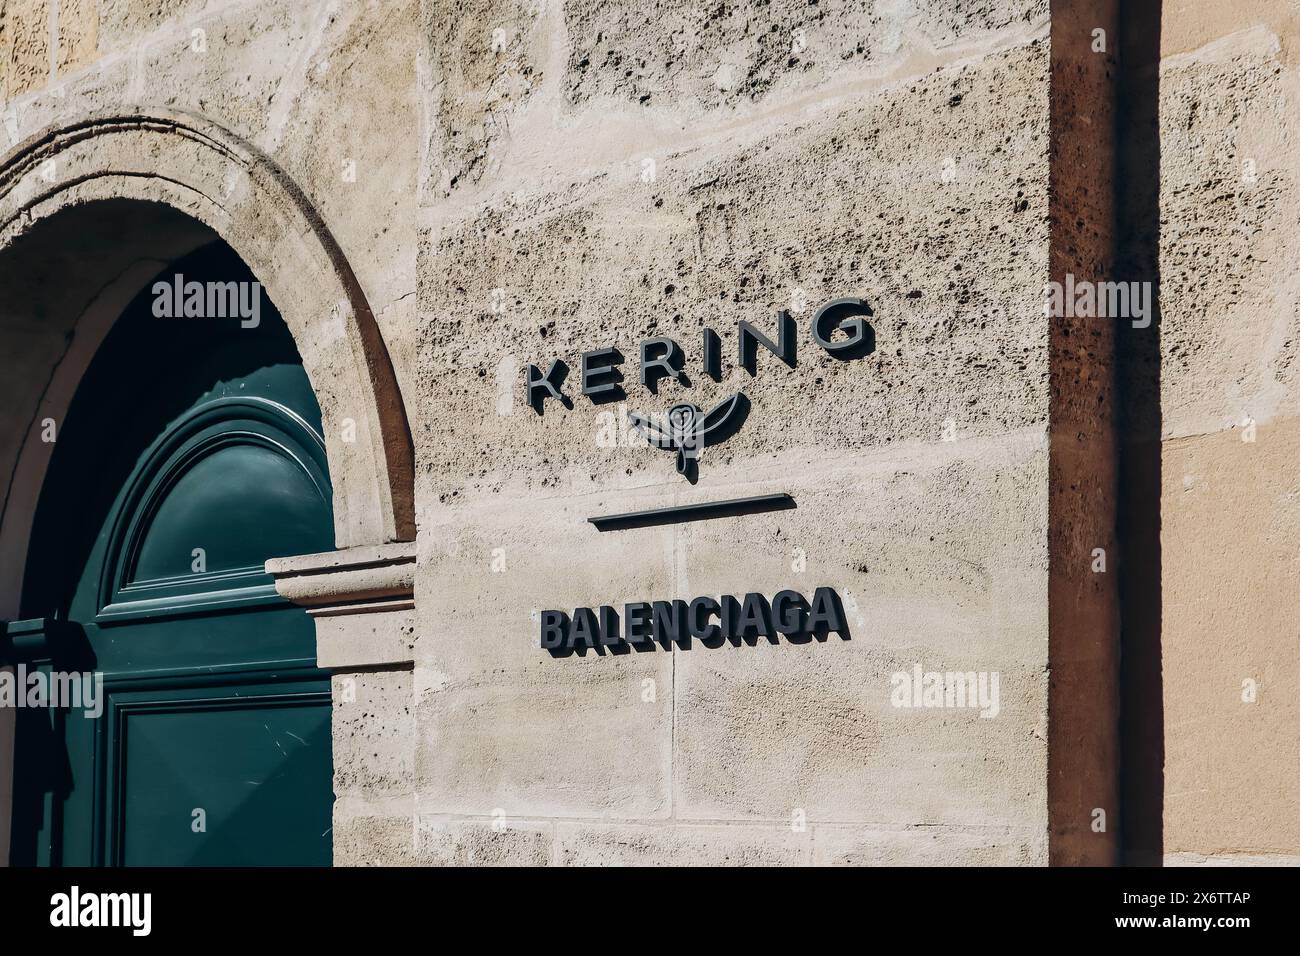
x=1083 y=606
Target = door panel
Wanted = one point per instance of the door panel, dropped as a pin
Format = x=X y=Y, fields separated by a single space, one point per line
x=220 y=499
x=241 y=756
x=191 y=454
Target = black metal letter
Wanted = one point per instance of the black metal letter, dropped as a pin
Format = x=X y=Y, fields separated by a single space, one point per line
x=827 y=614
x=554 y=626
x=702 y=608
x=638 y=622
x=585 y=630
x=790 y=612
x=750 y=338
x=727 y=614
x=660 y=358
x=540 y=386
x=845 y=315
x=712 y=355
x=669 y=616
x=609 y=635
x=600 y=375
x=755 y=617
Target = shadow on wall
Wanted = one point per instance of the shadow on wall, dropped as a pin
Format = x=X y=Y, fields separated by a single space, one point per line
x=1142 y=726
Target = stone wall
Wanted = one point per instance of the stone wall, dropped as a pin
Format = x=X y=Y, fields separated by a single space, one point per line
x=1230 y=432
x=595 y=175
x=516 y=182
x=326 y=89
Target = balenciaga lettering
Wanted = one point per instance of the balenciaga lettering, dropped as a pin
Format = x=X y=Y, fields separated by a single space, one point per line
x=711 y=621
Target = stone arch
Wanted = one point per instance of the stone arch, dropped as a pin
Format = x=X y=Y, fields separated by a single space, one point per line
x=113 y=195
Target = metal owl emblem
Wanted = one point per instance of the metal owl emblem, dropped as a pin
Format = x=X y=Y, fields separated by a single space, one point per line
x=687 y=429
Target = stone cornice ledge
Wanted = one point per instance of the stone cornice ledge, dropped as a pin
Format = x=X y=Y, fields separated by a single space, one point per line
x=363 y=600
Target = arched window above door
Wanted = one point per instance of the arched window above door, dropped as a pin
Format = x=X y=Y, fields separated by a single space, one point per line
x=233 y=475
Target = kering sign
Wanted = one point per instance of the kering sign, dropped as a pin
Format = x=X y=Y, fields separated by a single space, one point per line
x=711 y=621
x=839 y=327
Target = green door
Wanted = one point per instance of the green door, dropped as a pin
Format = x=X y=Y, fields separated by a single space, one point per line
x=191 y=454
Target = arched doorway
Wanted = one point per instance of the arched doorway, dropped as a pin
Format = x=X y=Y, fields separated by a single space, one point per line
x=190 y=455
x=90 y=211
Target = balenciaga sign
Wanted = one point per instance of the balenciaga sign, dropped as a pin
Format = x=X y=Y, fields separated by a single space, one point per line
x=840 y=328
x=710 y=621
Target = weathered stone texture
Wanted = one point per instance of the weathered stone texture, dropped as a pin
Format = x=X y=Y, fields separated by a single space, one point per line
x=785 y=223
x=364 y=837
x=122 y=21
x=1230 y=341
x=1229 y=393
x=327 y=90
x=545 y=178
x=25 y=46
x=725 y=52
x=78 y=30
x=373 y=733
x=582 y=844
x=928 y=846
x=1230 y=642
x=495 y=842
x=512 y=181
x=563 y=209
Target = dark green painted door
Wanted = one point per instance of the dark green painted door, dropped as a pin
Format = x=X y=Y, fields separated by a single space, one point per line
x=191 y=454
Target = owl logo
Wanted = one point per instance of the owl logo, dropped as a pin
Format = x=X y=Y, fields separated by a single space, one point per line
x=687 y=429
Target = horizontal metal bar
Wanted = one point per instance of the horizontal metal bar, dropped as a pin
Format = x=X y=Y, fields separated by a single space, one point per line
x=696 y=512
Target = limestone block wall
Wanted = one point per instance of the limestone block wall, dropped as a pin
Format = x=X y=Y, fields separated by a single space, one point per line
x=326 y=89
x=1230 y=433
x=517 y=182
x=594 y=174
